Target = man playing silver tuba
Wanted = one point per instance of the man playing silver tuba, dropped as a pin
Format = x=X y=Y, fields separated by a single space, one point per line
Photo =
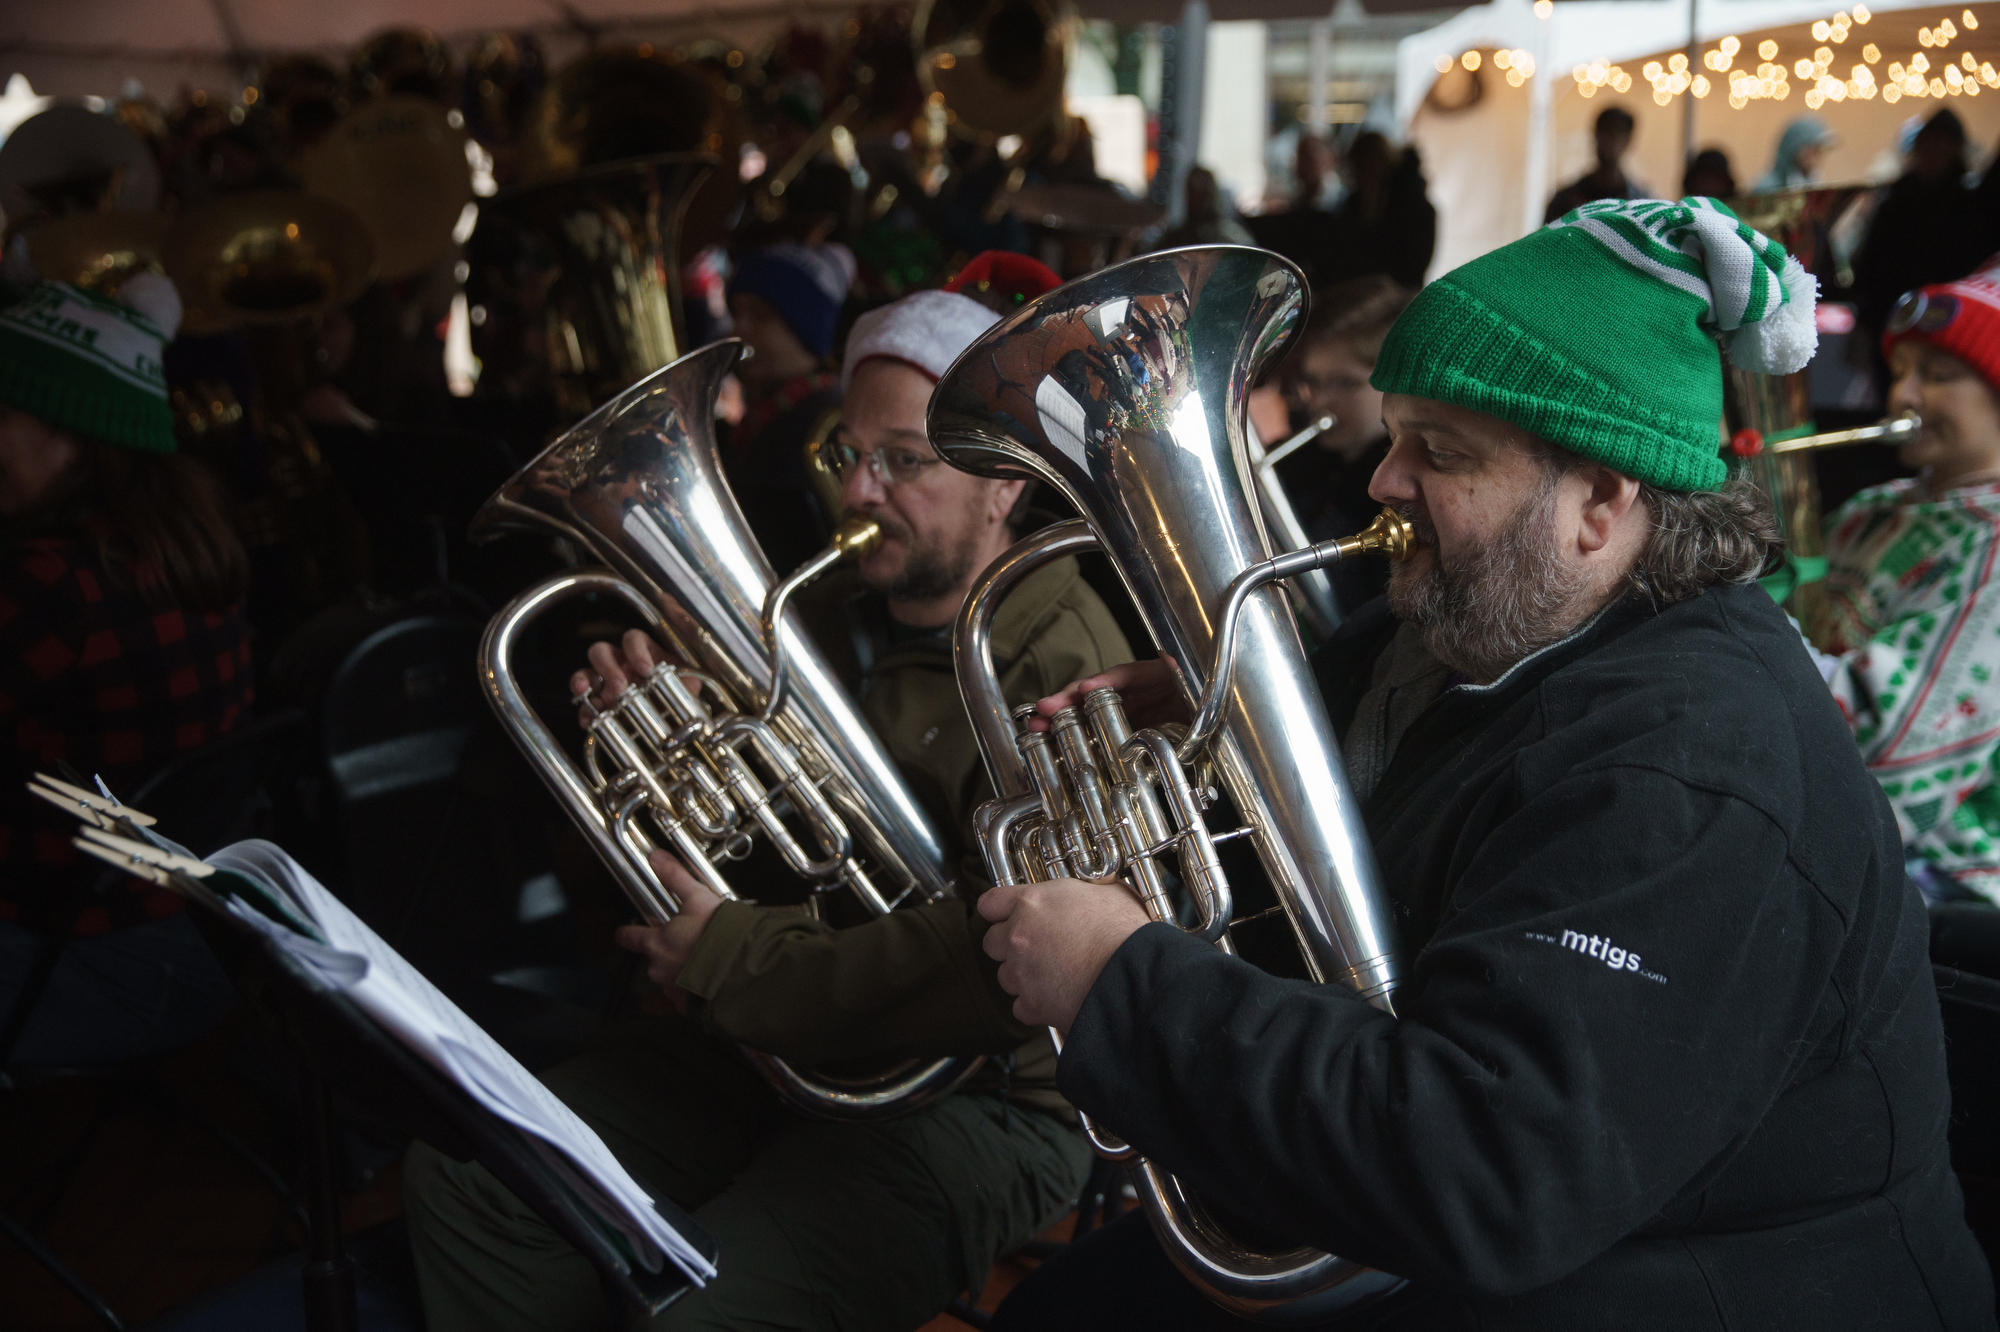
x=871 y=1224
x=1667 y=1050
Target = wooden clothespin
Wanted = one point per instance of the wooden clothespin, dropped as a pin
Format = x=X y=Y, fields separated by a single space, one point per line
x=143 y=860
x=99 y=811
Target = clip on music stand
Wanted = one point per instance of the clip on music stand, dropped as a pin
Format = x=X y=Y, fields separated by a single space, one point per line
x=341 y=1045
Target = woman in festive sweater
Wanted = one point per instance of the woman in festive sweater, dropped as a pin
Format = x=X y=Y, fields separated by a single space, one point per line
x=1912 y=605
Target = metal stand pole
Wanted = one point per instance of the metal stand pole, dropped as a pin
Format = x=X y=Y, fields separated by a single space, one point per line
x=327 y=1280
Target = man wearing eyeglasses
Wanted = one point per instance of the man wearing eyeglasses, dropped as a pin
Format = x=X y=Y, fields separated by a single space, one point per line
x=824 y=1224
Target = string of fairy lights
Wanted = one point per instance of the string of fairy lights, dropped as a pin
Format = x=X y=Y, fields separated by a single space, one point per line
x=1519 y=65
x=1817 y=74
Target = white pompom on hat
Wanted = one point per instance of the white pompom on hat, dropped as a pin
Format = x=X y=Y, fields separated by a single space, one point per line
x=928 y=330
x=156 y=298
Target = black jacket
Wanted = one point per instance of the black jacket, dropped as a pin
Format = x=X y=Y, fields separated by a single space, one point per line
x=1668 y=1052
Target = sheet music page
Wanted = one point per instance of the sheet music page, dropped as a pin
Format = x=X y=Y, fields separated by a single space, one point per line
x=405 y=1002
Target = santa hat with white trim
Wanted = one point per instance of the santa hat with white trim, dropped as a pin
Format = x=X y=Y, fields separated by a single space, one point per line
x=927 y=329
x=1598 y=333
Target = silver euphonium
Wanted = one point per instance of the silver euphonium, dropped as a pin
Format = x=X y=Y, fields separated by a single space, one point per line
x=752 y=736
x=1126 y=391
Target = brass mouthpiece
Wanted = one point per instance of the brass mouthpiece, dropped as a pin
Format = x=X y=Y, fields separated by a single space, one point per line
x=1390 y=534
x=857 y=536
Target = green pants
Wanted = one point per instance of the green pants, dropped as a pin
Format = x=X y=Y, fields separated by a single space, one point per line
x=864 y=1227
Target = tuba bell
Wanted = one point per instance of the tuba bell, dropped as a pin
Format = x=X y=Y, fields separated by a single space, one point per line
x=1126 y=391
x=996 y=66
x=265 y=257
x=579 y=278
x=97 y=251
x=753 y=737
x=398 y=164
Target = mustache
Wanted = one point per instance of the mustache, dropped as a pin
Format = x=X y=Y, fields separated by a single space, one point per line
x=1420 y=525
x=892 y=528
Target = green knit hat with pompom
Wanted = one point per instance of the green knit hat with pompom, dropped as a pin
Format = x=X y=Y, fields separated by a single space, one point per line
x=1598 y=333
x=88 y=364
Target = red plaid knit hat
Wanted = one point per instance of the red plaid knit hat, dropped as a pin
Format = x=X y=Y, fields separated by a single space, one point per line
x=1961 y=317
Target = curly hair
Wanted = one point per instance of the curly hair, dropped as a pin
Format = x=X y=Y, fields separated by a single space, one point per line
x=1699 y=538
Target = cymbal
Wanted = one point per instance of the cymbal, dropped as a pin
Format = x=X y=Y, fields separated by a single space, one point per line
x=1084 y=210
x=267 y=257
x=397 y=164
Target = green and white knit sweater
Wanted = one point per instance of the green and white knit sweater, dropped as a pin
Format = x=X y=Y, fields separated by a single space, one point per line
x=1913 y=616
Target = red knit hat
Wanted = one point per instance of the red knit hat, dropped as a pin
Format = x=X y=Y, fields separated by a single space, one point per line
x=1014 y=278
x=1961 y=317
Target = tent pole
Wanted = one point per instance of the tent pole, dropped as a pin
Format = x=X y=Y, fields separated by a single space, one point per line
x=1318 y=41
x=1694 y=68
x=240 y=56
x=1541 y=98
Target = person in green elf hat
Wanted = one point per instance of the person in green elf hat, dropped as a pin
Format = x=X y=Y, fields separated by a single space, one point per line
x=122 y=645
x=1665 y=1048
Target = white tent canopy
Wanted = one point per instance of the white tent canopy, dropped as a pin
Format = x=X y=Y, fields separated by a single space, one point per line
x=76 y=47
x=73 y=48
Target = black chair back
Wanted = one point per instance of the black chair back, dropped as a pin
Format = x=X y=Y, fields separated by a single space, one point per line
x=401 y=706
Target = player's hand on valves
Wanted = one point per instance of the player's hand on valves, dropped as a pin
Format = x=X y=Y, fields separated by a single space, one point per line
x=667 y=947
x=1053 y=939
x=1150 y=690
x=613 y=666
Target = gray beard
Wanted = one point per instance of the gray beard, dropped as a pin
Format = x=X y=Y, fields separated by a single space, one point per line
x=1499 y=604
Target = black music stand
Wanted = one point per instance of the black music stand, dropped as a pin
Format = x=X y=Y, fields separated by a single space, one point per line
x=339 y=1044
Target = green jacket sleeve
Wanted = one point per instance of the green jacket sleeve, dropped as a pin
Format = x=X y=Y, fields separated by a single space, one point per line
x=915 y=983
x=912 y=984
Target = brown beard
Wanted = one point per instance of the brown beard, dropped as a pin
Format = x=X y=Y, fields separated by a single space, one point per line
x=1497 y=604
x=933 y=567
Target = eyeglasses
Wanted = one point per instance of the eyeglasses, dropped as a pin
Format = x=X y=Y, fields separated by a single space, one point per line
x=1923 y=312
x=892 y=466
